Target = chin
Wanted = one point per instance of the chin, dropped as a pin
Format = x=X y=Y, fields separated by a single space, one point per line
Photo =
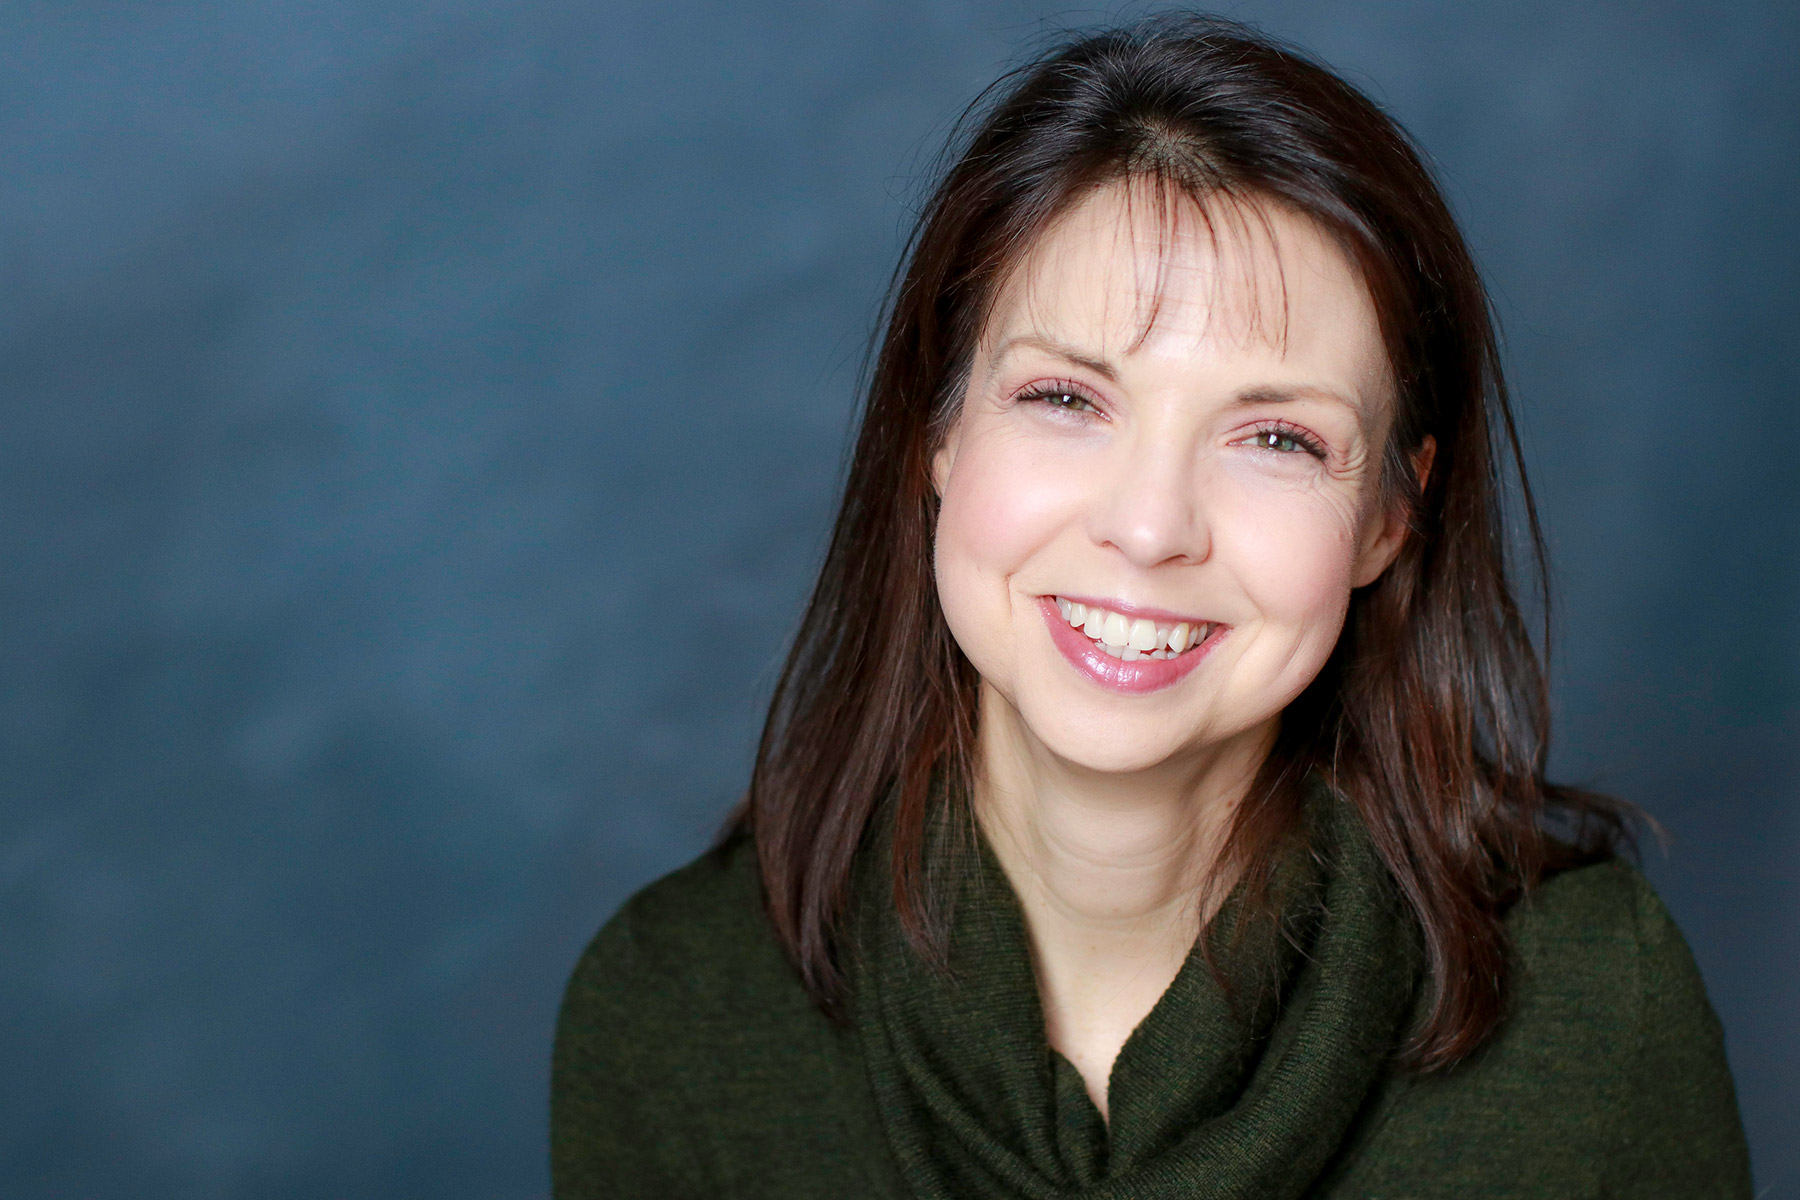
x=1113 y=760
x=1107 y=743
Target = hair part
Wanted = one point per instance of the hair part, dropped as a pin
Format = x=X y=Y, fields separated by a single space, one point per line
x=1431 y=716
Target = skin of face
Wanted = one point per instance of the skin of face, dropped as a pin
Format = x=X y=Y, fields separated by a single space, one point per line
x=1182 y=410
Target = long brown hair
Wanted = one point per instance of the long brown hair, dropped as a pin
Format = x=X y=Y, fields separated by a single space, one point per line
x=1432 y=715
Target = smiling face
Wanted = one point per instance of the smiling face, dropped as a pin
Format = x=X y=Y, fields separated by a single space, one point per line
x=1163 y=481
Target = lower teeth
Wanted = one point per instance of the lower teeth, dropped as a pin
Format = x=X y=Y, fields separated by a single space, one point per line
x=1130 y=655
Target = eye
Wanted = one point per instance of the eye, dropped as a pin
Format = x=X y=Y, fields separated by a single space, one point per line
x=1064 y=397
x=1285 y=439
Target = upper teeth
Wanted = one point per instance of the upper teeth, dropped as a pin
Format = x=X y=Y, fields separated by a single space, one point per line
x=1129 y=639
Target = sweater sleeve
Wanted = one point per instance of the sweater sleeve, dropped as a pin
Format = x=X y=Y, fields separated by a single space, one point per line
x=690 y=1063
x=1680 y=1133
x=607 y=1138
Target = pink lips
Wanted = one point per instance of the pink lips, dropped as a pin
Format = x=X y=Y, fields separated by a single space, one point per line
x=1115 y=674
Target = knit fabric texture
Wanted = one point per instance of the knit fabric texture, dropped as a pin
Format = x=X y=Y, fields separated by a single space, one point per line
x=689 y=1061
x=1241 y=1081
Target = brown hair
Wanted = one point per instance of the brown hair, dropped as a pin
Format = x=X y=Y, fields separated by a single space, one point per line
x=1432 y=714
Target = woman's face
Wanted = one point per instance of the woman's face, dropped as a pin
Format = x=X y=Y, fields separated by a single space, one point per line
x=1163 y=482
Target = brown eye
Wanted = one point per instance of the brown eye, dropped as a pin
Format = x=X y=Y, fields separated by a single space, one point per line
x=1062 y=398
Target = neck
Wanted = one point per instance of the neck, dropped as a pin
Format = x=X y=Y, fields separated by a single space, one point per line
x=1108 y=868
x=1108 y=852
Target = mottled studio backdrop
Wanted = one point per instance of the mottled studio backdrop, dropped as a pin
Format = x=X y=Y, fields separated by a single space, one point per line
x=420 y=420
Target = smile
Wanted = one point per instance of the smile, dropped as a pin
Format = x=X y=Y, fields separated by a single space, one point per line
x=1131 y=653
x=1130 y=638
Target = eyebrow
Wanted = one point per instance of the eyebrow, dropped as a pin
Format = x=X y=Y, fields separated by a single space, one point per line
x=1256 y=394
x=1098 y=366
x=1275 y=394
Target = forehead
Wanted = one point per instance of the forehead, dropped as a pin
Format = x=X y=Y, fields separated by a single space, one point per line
x=1137 y=272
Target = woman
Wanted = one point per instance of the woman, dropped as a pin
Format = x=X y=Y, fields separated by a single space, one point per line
x=1153 y=803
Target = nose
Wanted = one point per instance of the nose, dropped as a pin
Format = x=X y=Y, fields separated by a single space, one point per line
x=1149 y=504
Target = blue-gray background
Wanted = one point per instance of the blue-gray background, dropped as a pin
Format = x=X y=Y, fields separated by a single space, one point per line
x=420 y=421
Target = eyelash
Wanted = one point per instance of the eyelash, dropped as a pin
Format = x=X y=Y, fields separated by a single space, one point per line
x=1281 y=430
x=1050 y=392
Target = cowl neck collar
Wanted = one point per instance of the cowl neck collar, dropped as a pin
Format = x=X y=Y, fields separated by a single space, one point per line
x=1240 y=1091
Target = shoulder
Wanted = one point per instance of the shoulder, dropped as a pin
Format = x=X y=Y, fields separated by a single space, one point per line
x=686 y=1046
x=688 y=950
x=1597 y=957
x=1600 y=933
x=1601 y=977
x=674 y=930
x=1609 y=900
x=1608 y=1074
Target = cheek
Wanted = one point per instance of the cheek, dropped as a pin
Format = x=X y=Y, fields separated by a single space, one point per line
x=1001 y=507
x=1295 y=554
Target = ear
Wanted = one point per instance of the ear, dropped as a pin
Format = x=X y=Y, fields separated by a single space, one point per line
x=944 y=458
x=1382 y=542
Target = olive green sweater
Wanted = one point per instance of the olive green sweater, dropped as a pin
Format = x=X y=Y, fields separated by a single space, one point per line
x=690 y=1063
